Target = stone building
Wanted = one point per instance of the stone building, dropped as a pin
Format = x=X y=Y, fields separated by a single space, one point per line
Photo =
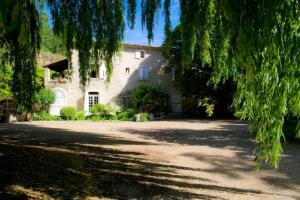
x=134 y=65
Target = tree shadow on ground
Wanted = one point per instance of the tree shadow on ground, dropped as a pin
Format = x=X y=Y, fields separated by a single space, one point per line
x=44 y=163
x=231 y=136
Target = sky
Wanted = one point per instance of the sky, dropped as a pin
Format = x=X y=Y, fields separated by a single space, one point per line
x=138 y=35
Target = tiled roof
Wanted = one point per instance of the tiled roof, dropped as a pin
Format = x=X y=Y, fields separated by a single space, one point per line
x=139 y=46
x=50 y=64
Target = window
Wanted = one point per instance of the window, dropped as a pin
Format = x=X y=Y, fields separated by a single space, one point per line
x=143 y=73
x=127 y=70
x=102 y=72
x=93 y=98
x=139 y=54
x=93 y=74
x=93 y=71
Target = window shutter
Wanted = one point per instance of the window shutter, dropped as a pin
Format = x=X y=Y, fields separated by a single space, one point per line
x=141 y=73
x=146 y=74
x=102 y=71
x=137 y=54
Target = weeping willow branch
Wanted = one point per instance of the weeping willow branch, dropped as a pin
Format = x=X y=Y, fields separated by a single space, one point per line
x=131 y=12
x=91 y=26
x=19 y=34
x=149 y=8
x=256 y=43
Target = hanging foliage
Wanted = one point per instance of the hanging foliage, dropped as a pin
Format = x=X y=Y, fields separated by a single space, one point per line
x=19 y=36
x=94 y=28
x=257 y=42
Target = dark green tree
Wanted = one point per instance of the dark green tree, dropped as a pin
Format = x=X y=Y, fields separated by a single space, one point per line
x=49 y=41
x=197 y=75
x=20 y=37
x=6 y=73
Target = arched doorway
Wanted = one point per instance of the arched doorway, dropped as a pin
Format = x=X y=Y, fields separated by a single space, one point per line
x=60 y=99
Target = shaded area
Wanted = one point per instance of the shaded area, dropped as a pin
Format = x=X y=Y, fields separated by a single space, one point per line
x=44 y=163
x=226 y=135
x=232 y=136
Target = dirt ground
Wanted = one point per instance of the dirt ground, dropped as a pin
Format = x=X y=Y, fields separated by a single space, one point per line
x=183 y=159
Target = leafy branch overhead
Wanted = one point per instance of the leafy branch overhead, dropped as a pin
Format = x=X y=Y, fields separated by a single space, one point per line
x=256 y=42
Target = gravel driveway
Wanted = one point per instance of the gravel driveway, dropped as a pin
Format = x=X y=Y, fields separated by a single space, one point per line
x=182 y=159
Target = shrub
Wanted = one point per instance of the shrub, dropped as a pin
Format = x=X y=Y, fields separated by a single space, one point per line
x=130 y=113
x=102 y=118
x=144 y=117
x=105 y=109
x=113 y=109
x=44 y=98
x=45 y=116
x=80 y=115
x=68 y=113
x=96 y=118
x=99 y=110
x=126 y=115
x=149 y=99
x=123 y=116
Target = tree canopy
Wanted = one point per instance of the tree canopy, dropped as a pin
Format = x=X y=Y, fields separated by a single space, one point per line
x=256 y=42
x=49 y=41
x=198 y=75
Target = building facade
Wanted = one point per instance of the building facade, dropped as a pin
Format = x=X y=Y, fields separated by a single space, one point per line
x=134 y=65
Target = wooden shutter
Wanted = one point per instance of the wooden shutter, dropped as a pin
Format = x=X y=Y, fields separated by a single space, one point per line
x=137 y=54
x=146 y=73
x=102 y=71
x=141 y=73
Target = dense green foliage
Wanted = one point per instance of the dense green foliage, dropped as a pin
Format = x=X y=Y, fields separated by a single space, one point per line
x=44 y=116
x=256 y=42
x=19 y=36
x=149 y=98
x=44 y=98
x=80 y=115
x=196 y=74
x=6 y=73
x=110 y=111
x=49 y=41
x=105 y=109
x=99 y=109
x=68 y=113
x=95 y=28
x=126 y=115
x=144 y=117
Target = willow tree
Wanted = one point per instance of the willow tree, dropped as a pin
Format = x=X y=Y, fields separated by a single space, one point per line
x=20 y=41
x=255 y=41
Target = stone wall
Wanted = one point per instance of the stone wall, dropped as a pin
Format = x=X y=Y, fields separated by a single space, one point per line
x=121 y=81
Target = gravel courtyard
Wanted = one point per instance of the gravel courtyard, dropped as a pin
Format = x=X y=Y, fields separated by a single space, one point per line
x=183 y=159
